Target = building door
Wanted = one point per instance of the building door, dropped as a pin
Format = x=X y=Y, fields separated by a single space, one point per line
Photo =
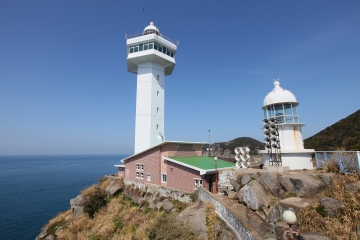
x=211 y=181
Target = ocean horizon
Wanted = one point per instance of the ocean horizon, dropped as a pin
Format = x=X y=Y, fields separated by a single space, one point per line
x=35 y=188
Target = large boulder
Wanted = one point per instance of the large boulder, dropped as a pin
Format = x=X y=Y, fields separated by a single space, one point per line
x=113 y=188
x=235 y=185
x=77 y=205
x=312 y=236
x=167 y=205
x=254 y=196
x=331 y=205
x=245 y=179
x=271 y=182
x=195 y=216
x=302 y=185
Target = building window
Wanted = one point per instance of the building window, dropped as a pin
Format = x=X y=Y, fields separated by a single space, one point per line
x=163 y=178
x=157 y=110
x=148 y=177
x=140 y=166
x=198 y=183
x=151 y=45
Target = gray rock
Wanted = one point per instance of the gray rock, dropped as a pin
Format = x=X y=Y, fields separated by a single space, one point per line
x=293 y=204
x=195 y=216
x=271 y=182
x=245 y=179
x=328 y=178
x=254 y=196
x=49 y=237
x=159 y=205
x=354 y=186
x=302 y=185
x=77 y=205
x=312 y=236
x=167 y=206
x=331 y=205
x=226 y=235
x=257 y=224
x=58 y=230
x=235 y=184
x=113 y=188
x=43 y=233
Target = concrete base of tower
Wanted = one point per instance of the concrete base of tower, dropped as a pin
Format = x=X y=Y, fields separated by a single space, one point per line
x=294 y=159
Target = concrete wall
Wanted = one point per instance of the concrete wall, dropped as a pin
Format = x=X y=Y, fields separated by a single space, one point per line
x=228 y=217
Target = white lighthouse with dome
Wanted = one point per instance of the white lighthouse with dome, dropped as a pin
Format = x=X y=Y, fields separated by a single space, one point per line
x=281 y=105
x=150 y=55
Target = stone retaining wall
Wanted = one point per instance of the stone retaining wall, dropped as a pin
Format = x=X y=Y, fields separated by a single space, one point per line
x=227 y=216
x=162 y=191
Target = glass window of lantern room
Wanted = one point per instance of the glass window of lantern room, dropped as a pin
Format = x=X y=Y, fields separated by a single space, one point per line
x=160 y=48
x=164 y=50
x=131 y=49
x=136 y=49
x=151 y=45
x=141 y=47
x=279 y=109
x=146 y=46
x=155 y=46
x=172 y=54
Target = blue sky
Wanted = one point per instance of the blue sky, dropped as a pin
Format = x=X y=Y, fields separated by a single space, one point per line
x=65 y=89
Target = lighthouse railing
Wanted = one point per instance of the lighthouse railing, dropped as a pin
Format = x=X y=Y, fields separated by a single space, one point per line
x=135 y=35
x=346 y=161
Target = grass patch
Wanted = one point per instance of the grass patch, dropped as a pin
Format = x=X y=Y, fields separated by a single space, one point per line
x=315 y=218
x=211 y=220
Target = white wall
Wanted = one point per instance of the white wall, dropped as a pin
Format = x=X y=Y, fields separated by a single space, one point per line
x=149 y=98
x=290 y=136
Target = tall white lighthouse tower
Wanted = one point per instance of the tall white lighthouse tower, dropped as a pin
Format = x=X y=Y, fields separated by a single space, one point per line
x=150 y=55
x=282 y=106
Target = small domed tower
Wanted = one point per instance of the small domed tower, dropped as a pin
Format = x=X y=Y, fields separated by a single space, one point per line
x=281 y=105
x=151 y=56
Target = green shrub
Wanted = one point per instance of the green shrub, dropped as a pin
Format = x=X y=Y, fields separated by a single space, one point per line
x=93 y=201
x=321 y=210
x=194 y=196
x=147 y=210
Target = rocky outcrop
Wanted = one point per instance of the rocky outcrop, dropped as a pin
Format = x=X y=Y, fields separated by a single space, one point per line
x=331 y=206
x=167 y=205
x=254 y=196
x=195 y=216
x=302 y=185
x=113 y=188
x=77 y=205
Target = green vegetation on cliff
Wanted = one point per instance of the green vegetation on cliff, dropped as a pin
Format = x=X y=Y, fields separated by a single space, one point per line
x=343 y=135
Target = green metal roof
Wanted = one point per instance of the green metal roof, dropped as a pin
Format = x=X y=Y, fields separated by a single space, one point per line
x=204 y=163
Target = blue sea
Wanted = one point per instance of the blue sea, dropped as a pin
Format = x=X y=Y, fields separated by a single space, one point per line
x=34 y=189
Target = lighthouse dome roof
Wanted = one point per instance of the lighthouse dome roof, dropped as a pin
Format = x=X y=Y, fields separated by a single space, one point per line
x=151 y=29
x=279 y=95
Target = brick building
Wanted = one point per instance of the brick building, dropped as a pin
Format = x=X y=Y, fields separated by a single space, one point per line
x=178 y=165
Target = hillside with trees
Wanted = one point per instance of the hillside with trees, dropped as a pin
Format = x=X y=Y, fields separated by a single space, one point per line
x=226 y=149
x=342 y=135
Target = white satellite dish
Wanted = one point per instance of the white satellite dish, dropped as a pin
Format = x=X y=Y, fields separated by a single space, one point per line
x=161 y=137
